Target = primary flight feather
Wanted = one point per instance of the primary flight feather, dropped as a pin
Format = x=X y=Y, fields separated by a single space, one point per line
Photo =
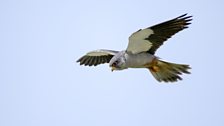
x=141 y=49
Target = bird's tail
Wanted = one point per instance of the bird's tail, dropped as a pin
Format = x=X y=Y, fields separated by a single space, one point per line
x=167 y=72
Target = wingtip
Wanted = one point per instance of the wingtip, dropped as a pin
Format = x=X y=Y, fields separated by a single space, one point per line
x=185 y=16
x=186 y=19
x=78 y=60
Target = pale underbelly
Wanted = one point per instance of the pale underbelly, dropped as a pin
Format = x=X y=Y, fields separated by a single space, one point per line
x=139 y=60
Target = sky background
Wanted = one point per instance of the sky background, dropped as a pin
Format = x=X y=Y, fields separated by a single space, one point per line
x=42 y=85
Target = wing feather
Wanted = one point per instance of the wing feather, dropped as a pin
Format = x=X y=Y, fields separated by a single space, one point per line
x=151 y=38
x=96 y=57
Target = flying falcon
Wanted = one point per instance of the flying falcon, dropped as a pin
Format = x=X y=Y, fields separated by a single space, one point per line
x=141 y=49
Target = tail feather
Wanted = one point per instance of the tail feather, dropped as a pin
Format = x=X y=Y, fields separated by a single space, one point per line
x=168 y=72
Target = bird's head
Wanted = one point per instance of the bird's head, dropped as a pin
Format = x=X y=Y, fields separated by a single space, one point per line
x=118 y=62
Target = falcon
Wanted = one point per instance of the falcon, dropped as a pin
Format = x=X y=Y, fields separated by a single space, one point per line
x=141 y=49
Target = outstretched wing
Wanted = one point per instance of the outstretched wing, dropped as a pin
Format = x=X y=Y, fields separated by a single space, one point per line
x=151 y=38
x=97 y=57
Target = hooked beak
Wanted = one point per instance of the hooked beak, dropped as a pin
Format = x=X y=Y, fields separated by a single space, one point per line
x=112 y=69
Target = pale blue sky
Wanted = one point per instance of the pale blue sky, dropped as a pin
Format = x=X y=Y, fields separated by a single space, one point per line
x=41 y=85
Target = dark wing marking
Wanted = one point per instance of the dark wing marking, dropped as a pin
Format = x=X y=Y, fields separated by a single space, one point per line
x=97 y=57
x=163 y=31
x=94 y=60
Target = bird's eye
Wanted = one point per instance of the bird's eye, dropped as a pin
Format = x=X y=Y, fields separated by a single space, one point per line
x=115 y=63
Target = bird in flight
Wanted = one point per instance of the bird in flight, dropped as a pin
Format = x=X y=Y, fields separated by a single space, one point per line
x=141 y=49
